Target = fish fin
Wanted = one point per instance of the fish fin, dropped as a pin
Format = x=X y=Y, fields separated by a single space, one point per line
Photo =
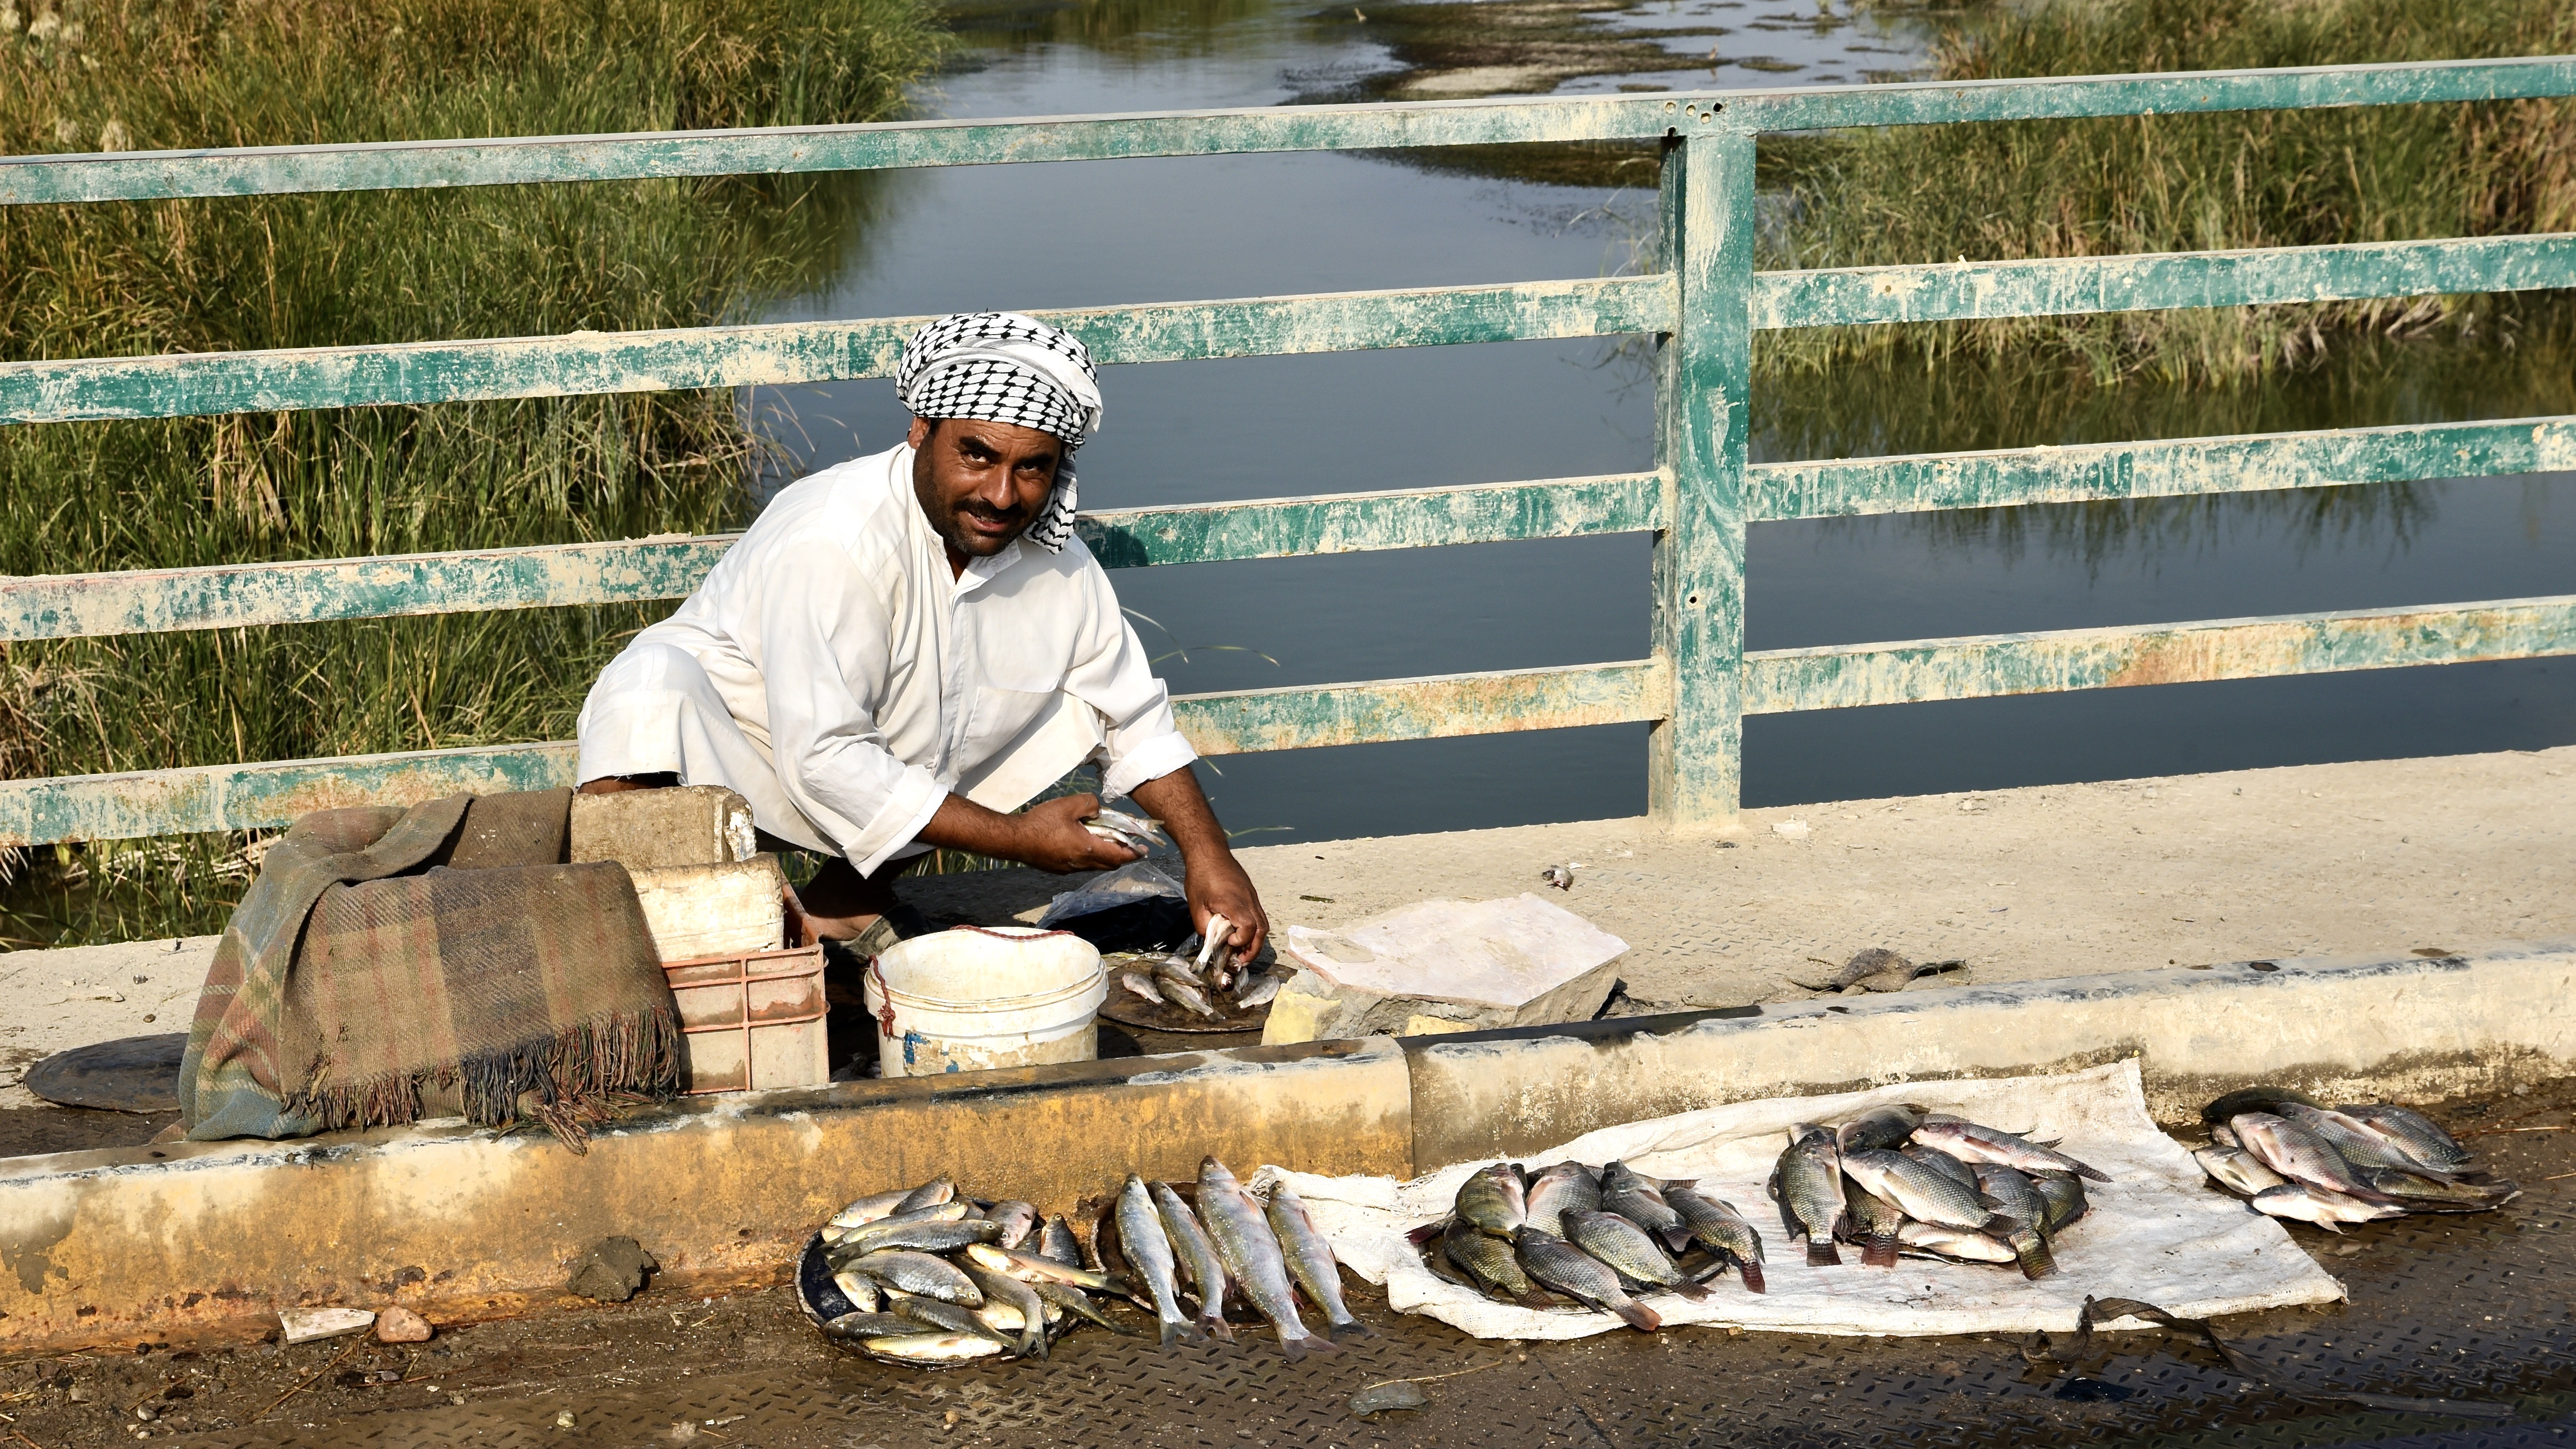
x=2043 y=1141
x=2084 y=1171
x=1879 y=1251
x=1421 y=1237
x=1822 y=1255
x=1690 y=1292
x=1676 y=1240
x=1296 y=1348
x=2030 y=1250
x=1350 y=1328
x=1752 y=1275
x=1639 y=1317
x=1535 y=1299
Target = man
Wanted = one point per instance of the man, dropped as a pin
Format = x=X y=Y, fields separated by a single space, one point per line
x=907 y=647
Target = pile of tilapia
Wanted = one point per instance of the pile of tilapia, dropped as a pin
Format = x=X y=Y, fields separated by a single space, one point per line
x=1895 y=1180
x=2292 y=1157
x=932 y=1278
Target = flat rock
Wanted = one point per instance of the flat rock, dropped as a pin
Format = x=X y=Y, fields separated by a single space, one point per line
x=303 y=1325
x=612 y=1271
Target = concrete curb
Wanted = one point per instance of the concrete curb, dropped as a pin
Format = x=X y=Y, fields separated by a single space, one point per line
x=2407 y=1027
x=203 y=1241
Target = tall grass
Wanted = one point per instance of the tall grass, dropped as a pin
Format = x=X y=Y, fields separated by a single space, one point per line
x=206 y=275
x=2176 y=183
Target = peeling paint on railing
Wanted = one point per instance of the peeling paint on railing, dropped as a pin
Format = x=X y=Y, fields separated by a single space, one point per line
x=196 y=384
x=1847 y=676
x=2009 y=477
x=1439 y=707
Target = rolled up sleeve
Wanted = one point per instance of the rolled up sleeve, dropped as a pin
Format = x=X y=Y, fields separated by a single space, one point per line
x=1112 y=673
x=826 y=644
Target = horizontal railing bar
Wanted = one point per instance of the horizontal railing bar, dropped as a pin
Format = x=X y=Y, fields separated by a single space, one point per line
x=2058 y=286
x=232 y=596
x=268 y=170
x=1847 y=676
x=260 y=796
x=2259 y=462
x=198 y=384
x=1438 y=707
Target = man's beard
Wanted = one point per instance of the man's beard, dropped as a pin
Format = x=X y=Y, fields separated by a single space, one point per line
x=953 y=530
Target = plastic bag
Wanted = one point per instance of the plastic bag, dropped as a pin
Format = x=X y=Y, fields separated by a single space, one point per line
x=1133 y=908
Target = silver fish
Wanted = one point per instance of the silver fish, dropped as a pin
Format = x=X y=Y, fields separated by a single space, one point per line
x=1001 y=1288
x=1489 y=1261
x=921 y=1274
x=1493 y=1199
x=1953 y=1243
x=1718 y=1227
x=856 y=1239
x=1073 y=1301
x=1252 y=1256
x=1187 y=997
x=1974 y=1142
x=1018 y=1220
x=2236 y=1169
x=930 y=1194
x=1633 y=1197
x=1257 y=990
x=2222 y=1135
x=1057 y=1241
x=1311 y=1261
x=2297 y=1153
x=1149 y=1253
x=2418 y=1135
x=2423 y=1191
x=930 y=1350
x=935 y=1237
x=1565 y=1187
x=1942 y=1162
x=1884 y=1127
x=1808 y=1185
x=867 y=1210
x=1138 y=983
x=2352 y=1141
x=2321 y=1206
x=2017 y=1198
x=1197 y=1256
x=1871 y=1221
x=1580 y=1276
x=1135 y=833
x=931 y=1313
x=861 y=1291
x=1619 y=1242
x=1926 y=1194
x=1032 y=1269
x=869 y=1325
x=2064 y=1194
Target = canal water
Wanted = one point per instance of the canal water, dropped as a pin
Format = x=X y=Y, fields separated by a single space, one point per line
x=1070 y=235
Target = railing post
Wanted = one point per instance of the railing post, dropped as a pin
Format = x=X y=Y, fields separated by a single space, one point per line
x=1695 y=762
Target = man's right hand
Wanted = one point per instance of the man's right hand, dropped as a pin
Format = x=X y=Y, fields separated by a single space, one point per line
x=1048 y=835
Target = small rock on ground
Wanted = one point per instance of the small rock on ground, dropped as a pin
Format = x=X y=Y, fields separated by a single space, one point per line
x=612 y=1271
x=401 y=1325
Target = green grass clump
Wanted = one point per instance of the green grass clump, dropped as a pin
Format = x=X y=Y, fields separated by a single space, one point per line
x=295 y=271
x=2186 y=183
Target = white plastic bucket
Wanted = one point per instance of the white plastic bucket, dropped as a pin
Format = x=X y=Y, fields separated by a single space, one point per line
x=975 y=998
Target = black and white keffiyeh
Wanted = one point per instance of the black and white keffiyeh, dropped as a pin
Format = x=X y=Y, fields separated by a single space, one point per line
x=1001 y=367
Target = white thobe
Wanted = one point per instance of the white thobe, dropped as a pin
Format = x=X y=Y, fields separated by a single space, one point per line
x=833 y=671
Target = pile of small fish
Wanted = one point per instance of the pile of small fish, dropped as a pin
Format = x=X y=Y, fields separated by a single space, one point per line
x=931 y=1279
x=1162 y=976
x=1567 y=1233
x=1903 y=1181
x=2292 y=1157
x=1896 y=1180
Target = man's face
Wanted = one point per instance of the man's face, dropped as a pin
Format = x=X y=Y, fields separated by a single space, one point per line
x=981 y=483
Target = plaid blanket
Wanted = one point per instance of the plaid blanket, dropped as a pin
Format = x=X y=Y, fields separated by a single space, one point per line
x=384 y=951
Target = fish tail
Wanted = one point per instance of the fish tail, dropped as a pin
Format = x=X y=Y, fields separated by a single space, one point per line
x=1822 y=1255
x=1879 y=1251
x=1176 y=1329
x=1033 y=1343
x=1638 y=1316
x=1218 y=1329
x=1752 y=1273
x=1350 y=1328
x=1296 y=1348
x=2031 y=1251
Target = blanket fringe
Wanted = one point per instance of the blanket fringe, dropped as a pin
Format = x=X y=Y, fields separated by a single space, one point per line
x=569 y=1082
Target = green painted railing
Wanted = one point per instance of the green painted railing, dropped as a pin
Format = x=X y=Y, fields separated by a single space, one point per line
x=1702 y=304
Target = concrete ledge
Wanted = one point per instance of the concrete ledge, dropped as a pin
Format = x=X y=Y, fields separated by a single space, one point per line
x=2407 y=1027
x=208 y=1240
